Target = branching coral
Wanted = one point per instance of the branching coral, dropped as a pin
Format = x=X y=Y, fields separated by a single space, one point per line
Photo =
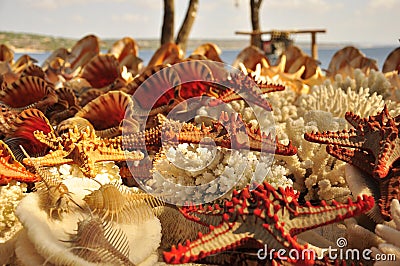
x=188 y=165
x=313 y=169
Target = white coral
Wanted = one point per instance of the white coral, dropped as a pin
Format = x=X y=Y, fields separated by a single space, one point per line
x=10 y=196
x=213 y=173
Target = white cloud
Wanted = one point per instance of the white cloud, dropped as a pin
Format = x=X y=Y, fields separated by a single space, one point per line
x=388 y=4
x=129 y=17
x=302 y=5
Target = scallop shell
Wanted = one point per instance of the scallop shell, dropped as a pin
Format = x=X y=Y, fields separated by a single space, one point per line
x=123 y=47
x=88 y=96
x=21 y=133
x=101 y=71
x=67 y=106
x=209 y=50
x=70 y=123
x=33 y=70
x=392 y=61
x=107 y=112
x=164 y=82
x=6 y=54
x=23 y=62
x=250 y=57
x=342 y=58
x=81 y=53
x=29 y=92
x=168 y=53
x=55 y=56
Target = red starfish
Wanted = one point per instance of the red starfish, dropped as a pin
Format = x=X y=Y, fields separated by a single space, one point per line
x=372 y=146
x=169 y=86
x=374 y=142
x=271 y=217
x=11 y=169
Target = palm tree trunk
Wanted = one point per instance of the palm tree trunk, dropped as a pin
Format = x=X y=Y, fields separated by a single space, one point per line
x=187 y=24
x=167 y=32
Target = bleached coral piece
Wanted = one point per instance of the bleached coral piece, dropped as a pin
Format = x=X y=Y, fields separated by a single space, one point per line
x=10 y=196
x=213 y=172
x=338 y=101
x=390 y=233
x=312 y=167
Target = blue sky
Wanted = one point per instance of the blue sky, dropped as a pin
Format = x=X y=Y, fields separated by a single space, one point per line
x=355 y=21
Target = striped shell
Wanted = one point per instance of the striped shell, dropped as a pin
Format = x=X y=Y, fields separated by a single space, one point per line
x=29 y=92
x=123 y=47
x=113 y=202
x=82 y=52
x=6 y=54
x=71 y=123
x=392 y=61
x=115 y=106
x=164 y=82
x=97 y=241
x=101 y=71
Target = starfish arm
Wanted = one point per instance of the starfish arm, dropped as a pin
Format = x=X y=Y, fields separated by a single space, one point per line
x=207 y=244
x=389 y=190
x=51 y=159
x=388 y=154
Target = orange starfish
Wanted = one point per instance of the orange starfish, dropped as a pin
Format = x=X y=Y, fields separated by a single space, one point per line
x=83 y=148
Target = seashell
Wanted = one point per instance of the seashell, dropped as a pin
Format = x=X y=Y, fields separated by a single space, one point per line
x=66 y=106
x=7 y=74
x=97 y=241
x=29 y=92
x=23 y=62
x=88 y=96
x=124 y=47
x=113 y=105
x=6 y=54
x=392 y=61
x=55 y=56
x=250 y=57
x=168 y=53
x=81 y=53
x=133 y=64
x=209 y=50
x=342 y=58
x=21 y=133
x=33 y=70
x=112 y=202
x=70 y=123
x=164 y=82
x=189 y=73
x=78 y=85
x=101 y=71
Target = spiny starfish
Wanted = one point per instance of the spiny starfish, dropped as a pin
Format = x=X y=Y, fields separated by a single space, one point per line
x=161 y=88
x=374 y=142
x=271 y=217
x=228 y=132
x=81 y=147
x=373 y=146
x=11 y=169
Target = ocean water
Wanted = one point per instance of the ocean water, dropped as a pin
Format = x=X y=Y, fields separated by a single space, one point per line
x=228 y=56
